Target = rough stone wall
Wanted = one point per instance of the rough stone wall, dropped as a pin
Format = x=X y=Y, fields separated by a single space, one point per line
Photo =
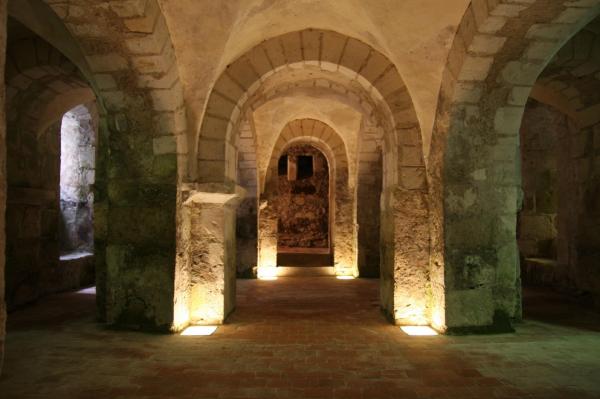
x=537 y=220
x=586 y=154
x=2 y=178
x=247 y=216
x=246 y=236
x=42 y=86
x=570 y=83
x=303 y=201
x=141 y=155
x=368 y=215
x=77 y=166
x=208 y=281
x=32 y=246
x=566 y=215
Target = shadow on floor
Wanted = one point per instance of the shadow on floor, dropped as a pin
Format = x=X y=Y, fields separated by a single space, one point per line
x=550 y=307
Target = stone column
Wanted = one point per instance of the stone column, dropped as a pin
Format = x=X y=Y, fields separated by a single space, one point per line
x=211 y=255
x=2 y=177
x=267 y=238
x=405 y=244
x=345 y=234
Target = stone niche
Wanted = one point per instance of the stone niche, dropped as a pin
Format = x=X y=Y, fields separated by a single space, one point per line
x=303 y=199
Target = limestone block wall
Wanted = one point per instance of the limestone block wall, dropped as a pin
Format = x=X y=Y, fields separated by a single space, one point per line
x=538 y=222
x=246 y=236
x=568 y=97
x=32 y=246
x=370 y=176
x=247 y=215
x=572 y=222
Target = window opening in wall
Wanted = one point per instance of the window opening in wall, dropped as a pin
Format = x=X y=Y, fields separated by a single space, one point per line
x=282 y=165
x=77 y=167
x=305 y=167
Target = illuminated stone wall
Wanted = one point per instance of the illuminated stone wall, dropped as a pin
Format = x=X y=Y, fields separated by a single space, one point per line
x=77 y=167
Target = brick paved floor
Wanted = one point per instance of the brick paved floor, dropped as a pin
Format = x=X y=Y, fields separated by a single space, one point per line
x=300 y=338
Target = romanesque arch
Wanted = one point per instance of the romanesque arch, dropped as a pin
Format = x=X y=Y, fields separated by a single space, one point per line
x=124 y=52
x=404 y=237
x=498 y=53
x=41 y=87
x=342 y=200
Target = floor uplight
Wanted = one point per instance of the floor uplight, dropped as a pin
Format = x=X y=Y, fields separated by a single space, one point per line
x=419 y=330
x=199 y=330
x=345 y=277
x=267 y=273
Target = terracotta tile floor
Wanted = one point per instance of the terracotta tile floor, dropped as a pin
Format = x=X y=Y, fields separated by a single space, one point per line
x=300 y=338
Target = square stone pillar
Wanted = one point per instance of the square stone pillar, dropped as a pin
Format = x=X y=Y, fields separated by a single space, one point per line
x=267 y=239
x=292 y=171
x=210 y=220
x=405 y=285
x=345 y=234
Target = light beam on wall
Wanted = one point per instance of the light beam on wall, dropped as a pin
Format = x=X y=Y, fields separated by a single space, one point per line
x=199 y=330
x=419 y=330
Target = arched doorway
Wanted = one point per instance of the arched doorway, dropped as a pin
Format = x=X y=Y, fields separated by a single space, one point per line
x=303 y=207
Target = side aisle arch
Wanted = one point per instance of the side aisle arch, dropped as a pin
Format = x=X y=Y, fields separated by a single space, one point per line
x=499 y=51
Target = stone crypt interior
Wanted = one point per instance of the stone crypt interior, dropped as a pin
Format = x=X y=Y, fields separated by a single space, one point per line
x=300 y=199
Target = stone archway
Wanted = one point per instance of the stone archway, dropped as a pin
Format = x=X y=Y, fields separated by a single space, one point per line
x=342 y=204
x=142 y=121
x=498 y=53
x=405 y=232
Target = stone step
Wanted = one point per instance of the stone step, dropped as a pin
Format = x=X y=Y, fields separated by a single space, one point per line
x=295 y=271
